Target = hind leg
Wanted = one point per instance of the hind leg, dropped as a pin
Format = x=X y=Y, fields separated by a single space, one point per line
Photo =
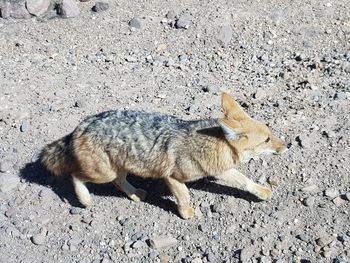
x=135 y=194
x=82 y=192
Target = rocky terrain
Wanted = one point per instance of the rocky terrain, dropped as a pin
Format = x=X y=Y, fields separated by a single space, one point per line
x=287 y=63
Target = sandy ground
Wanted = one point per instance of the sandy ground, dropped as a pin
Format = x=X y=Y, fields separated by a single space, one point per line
x=287 y=63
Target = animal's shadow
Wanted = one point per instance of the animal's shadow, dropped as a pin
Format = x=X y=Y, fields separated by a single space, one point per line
x=157 y=191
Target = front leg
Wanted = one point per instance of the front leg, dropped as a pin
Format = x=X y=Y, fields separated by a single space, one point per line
x=182 y=195
x=238 y=180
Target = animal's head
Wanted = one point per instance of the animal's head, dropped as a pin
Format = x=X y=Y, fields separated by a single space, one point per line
x=249 y=137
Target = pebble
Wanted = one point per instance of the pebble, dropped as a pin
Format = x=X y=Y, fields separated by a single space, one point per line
x=184 y=21
x=5 y=9
x=247 y=253
x=211 y=257
x=183 y=58
x=162 y=242
x=340 y=96
x=196 y=260
x=136 y=22
x=225 y=35
x=100 y=6
x=310 y=189
x=5 y=166
x=347 y=195
x=68 y=9
x=8 y=182
x=18 y=10
x=304 y=141
x=260 y=94
x=37 y=7
x=338 y=201
x=323 y=241
x=309 y=201
x=75 y=210
x=38 y=239
x=273 y=180
x=138 y=244
x=25 y=126
x=331 y=192
x=130 y=59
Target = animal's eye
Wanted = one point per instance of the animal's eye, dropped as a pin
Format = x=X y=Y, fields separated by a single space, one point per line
x=268 y=139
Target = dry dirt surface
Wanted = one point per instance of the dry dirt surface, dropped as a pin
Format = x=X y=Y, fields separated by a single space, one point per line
x=286 y=62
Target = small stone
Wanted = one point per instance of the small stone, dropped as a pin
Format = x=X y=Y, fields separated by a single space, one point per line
x=171 y=14
x=79 y=104
x=162 y=242
x=323 y=241
x=309 y=201
x=183 y=58
x=68 y=9
x=8 y=182
x=272 y=180
x=338 y=201
x=184 y=21
x=75 y=210
x=211 y=257
x=100 y=6
x=310 y=189
x=138 y=244
x=19 y=11
x=37 y=7
x=5 y=9
x=5 y=166
x=130 y=59
x=225 y=35
x=340 y=96
x=303 y=237
x=260 y=94
x=339 y=260
x=136 y=22
x=202 y=227
x=197 y=260
x=25 y=126
x=304 y=140
x=347 y=195
x=247 y=253
x=331 y=192
x=38 y=239
x=153 y=254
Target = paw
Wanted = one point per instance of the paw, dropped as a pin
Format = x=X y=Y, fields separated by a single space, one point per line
x=85 y=201
x=186 y=213
x=139 y=195
x=264 y=193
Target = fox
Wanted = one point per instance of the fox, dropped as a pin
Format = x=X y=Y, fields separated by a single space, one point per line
x=108 y=146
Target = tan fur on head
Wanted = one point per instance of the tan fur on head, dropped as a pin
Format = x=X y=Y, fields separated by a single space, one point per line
x=251 y=138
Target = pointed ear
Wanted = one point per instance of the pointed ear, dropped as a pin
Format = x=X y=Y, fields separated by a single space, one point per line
x=231 y=129
x=232 y=109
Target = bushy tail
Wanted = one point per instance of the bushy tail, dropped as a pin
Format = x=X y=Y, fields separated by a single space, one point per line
x=57 y=156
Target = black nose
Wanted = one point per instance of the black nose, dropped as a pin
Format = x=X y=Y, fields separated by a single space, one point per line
x=289 y=145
